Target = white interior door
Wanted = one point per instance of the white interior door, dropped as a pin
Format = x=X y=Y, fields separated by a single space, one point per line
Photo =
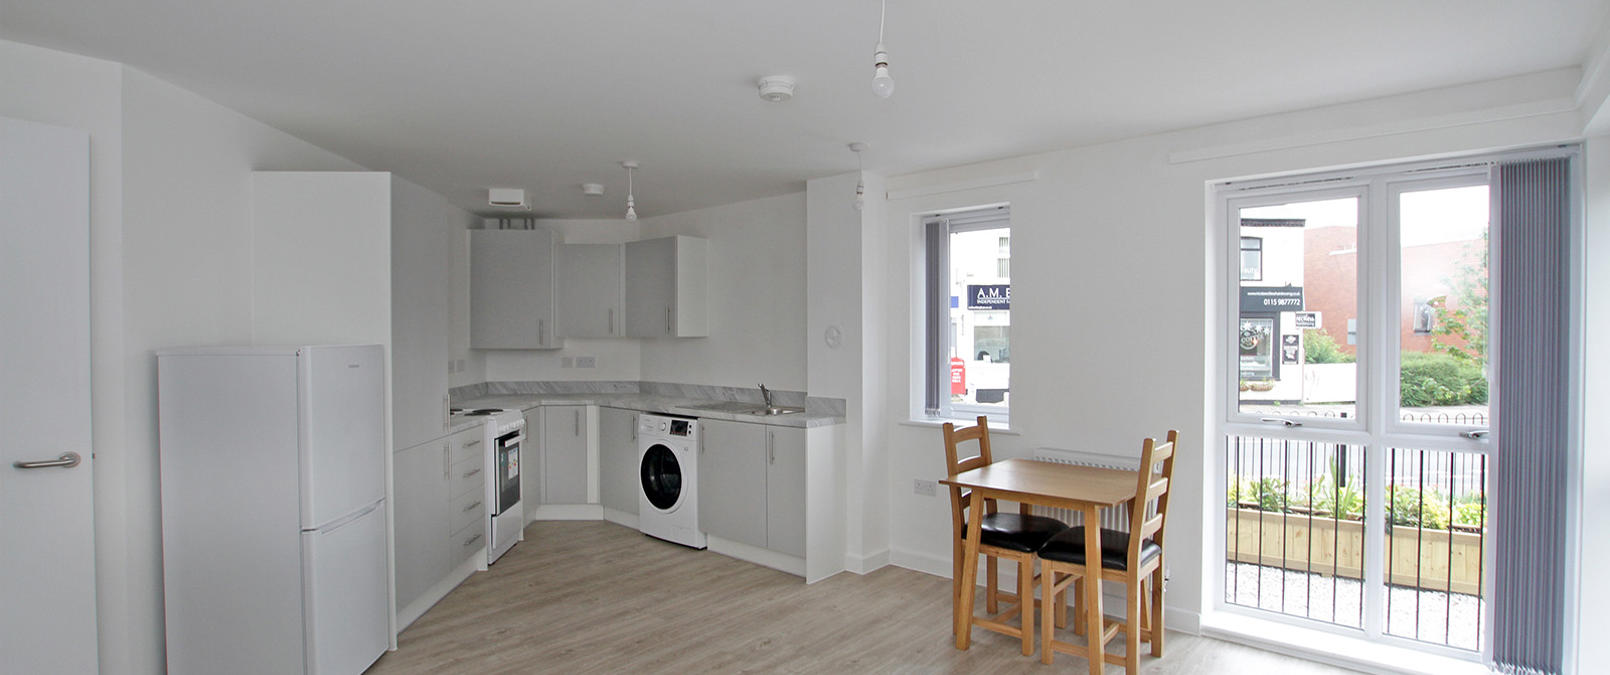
x=47 y=539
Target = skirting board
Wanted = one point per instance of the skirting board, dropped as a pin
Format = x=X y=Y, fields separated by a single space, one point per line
x=567 y=512
x=1177 y=618
x=863 y=564
x=408 y=615
x=759 y=556
x=620 y=517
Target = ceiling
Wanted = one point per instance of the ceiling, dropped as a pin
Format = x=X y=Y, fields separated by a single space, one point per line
x=549 y=94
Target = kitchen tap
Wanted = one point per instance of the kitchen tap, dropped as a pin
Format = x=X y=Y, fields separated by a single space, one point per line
x=765 y=395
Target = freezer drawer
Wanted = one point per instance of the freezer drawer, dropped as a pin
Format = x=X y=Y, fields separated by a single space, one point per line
x=345 y=594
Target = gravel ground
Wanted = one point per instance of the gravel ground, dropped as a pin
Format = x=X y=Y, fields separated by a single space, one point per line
x=1442 y=618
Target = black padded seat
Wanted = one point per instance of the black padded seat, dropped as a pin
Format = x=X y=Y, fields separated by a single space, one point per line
x=1069 y=547
x=1015 y=531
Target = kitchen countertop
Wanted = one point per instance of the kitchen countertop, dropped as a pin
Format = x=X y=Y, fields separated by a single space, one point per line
x=649 y=403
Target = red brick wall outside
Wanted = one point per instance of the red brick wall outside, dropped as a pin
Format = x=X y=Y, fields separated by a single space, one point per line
x=1330 y=281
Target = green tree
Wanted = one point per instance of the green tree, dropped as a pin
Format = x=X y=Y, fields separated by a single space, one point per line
x=1461 y=330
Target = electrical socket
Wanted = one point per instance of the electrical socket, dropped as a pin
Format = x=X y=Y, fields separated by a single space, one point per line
x=586 y=362
x=567 y=362
x=923 y=487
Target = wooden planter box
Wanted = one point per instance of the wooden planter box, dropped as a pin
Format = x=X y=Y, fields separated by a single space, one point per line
x=1320 y=545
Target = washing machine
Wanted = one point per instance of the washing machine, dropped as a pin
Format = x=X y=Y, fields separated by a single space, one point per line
x=668 y=479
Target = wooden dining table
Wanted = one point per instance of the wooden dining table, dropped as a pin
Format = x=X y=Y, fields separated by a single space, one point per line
x=1085 y=489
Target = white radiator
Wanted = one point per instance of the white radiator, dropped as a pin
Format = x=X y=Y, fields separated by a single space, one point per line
x=1111 y=519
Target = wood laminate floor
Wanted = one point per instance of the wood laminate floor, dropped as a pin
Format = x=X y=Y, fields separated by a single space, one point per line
x=595 y=597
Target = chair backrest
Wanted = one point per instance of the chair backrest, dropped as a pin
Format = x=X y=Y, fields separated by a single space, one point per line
x=1145 y=521
x=954 y=464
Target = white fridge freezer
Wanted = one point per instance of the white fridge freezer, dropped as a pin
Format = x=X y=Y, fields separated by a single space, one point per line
x=274 y=533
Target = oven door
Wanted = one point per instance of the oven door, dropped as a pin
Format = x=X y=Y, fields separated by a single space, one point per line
x=506 y=451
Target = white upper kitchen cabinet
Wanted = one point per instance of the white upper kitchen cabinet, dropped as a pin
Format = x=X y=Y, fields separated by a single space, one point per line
x=512 y=290
x=358 y=257
x=590 y=291
x=667 y=287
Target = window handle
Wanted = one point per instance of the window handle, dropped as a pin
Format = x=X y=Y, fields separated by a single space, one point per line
x=1474 y=434
x=1281 y=421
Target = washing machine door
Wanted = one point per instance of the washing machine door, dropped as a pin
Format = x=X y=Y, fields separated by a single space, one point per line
x=661 y=475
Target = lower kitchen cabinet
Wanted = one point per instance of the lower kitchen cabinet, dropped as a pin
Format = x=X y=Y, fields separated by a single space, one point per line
x=439 y=504
x=785 y=491
x=617 y=466
x=752 y=485
x=564 y=454
x=732 y=481
x=531 y=464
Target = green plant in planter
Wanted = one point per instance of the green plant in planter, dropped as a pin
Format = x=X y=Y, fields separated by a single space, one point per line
x=1470 y=511
x=1346 y=502
x=1411 y=508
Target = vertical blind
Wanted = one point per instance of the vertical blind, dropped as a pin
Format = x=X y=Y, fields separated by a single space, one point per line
x=1533 y=397
x=938 y=285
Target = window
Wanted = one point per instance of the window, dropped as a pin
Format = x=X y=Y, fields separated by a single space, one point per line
x=968 y=287
x=1355 y=466
x=1251 y=258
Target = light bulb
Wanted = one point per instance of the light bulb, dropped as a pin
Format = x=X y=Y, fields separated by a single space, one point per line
x=631 y=210
x=882 y=83
x=860 y=194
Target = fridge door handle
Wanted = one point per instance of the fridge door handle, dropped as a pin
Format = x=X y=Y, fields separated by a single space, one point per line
x=337 y=524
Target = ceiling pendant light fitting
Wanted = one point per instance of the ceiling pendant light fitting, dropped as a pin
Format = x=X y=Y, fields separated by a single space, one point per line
x=882 y=82
x=631 y=202
x=776 y=88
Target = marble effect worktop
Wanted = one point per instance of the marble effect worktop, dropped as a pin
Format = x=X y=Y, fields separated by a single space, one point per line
x=650 y=397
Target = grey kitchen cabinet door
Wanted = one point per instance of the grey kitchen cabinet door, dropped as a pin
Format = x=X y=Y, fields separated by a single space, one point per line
x=420 y=494
x=617 y=438
x=667 y=287
x=511 y=290
x=589 y=291
x=732 y=481
x=564 y=454
x=785 y=490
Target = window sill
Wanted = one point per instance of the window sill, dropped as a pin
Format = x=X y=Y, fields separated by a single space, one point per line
x=1001 y=428
x=1332 y=648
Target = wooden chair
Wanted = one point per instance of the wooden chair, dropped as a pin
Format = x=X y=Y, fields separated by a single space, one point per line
x=1010 y=536
x=1133 y=558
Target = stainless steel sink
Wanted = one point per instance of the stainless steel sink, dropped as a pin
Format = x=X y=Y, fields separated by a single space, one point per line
x=776 y=410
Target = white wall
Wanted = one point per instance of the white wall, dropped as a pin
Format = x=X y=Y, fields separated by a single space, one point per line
x=757 y=297
x=845 y=292
x=1099 y=364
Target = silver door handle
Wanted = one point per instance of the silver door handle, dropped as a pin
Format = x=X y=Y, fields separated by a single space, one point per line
x=472 y=507
x=771 y=447
x=472 y=472
x=67 y=460
x=577 y=432
x=612 y=321
x=667 y=319
x=1474 y=434
x=1281 y=421
x=471 y=444
x=540 y=333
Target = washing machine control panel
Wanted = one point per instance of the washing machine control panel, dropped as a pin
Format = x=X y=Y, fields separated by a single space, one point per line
x=666 y=427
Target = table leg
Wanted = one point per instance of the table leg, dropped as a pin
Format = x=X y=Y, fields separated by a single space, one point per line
x=969 y=587
x=1095 y=625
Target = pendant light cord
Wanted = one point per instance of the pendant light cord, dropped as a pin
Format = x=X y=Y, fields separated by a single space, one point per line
x=882 y=11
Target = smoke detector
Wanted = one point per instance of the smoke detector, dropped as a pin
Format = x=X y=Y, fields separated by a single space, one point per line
x=776 y=88
x=592 y=189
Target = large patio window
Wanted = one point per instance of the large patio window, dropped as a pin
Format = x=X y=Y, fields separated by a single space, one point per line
x=1355 y=462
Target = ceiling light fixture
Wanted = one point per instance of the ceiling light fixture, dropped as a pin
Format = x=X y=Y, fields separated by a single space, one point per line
x=776 y=88
x=860 y=177
x=592 y=189
x=631 y=204
x=882 y=83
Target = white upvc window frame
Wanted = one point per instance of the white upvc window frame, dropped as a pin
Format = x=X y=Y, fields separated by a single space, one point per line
x=1376 y=428
x=998 y=415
